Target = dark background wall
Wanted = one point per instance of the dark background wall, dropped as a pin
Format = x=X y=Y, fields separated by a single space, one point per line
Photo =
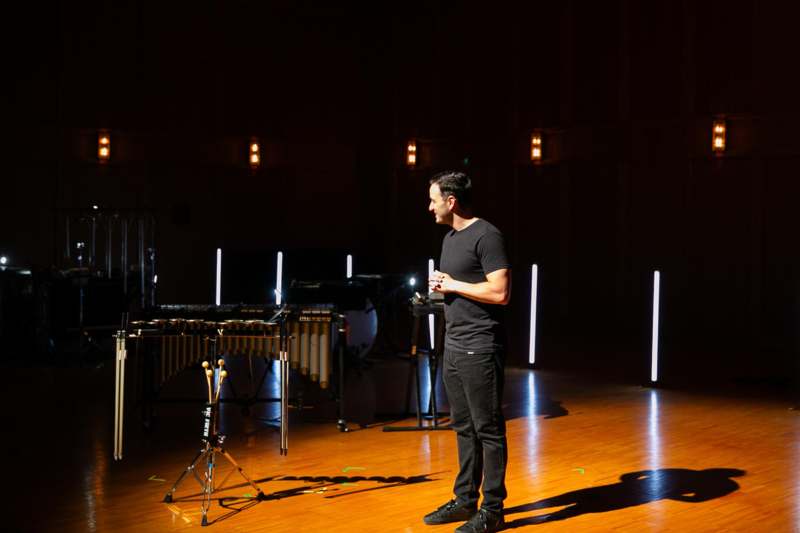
x=625 y=93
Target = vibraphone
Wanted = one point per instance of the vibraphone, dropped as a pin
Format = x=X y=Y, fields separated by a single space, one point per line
x=186 y=341
x=175 y=337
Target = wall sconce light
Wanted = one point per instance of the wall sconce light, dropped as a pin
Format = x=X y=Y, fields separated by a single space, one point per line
x=536 y=147
x=254 y=154
x=411 y=154
x=103 y=146
x=718 y=133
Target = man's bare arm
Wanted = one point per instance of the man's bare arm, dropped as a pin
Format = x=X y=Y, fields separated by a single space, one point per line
x=495 y=290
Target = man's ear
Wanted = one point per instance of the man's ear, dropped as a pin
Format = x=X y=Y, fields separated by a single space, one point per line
x=451 y=202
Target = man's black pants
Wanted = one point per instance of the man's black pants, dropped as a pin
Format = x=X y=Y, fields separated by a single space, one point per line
x=474 y=385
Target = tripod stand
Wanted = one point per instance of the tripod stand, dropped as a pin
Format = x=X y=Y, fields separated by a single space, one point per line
x=205 y=461
x=423 y=307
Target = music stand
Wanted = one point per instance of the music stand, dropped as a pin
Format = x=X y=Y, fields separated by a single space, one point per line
x=422 y=306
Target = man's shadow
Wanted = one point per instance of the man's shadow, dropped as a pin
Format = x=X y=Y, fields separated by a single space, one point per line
x=634 y=488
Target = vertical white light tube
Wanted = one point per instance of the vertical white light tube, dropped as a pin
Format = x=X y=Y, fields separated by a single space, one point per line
x=431 y=323
x=534 y=291
x=349 y=266
x=218 y=298
x=279 y=280
x=654 y=350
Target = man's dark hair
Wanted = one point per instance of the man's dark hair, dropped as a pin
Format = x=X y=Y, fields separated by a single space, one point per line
x=454 y=183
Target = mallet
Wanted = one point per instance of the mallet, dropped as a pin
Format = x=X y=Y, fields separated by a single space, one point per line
x=208 y=373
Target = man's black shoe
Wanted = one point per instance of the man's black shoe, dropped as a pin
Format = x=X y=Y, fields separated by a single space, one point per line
x=483 y=522
x=452 y=511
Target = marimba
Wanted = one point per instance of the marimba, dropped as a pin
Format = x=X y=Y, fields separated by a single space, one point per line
x=184 y=342
x=172 y=338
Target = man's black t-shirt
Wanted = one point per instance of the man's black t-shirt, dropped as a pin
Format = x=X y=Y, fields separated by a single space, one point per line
x=469 y=255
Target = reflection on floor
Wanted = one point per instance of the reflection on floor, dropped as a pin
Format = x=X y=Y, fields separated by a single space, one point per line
x=584 y=456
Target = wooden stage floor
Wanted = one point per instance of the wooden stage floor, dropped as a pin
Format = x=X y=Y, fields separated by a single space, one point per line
x=584 y=456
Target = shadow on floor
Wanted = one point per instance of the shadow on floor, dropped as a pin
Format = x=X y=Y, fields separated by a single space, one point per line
x=634 y=488
x=328 y=486
x=336 y=483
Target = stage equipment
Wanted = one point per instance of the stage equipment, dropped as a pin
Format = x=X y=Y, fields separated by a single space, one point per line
x=97 y=239
x=119 y=391
x=100 y=274
x=422 y=306
x=213 y=440
x=532 y=329
x=377 y=329
x=21 y=318
x=654 y=345
x=351 y=298
x=279 y=279
x=218 y=286
x=172 y=338
x=431 y=318
x=184 y=339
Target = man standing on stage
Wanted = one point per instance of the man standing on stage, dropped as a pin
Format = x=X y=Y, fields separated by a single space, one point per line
x=475 y=278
